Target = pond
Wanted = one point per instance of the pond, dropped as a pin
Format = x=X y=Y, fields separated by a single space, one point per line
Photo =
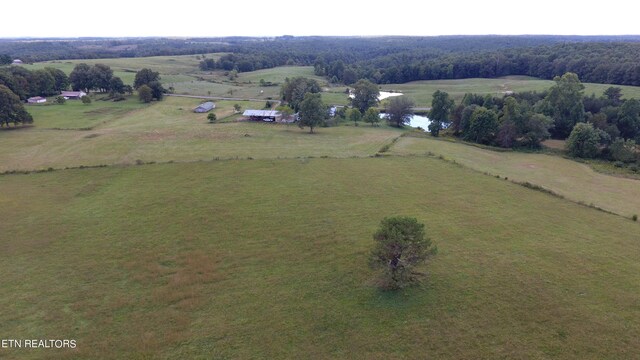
x=416 y=121
x=419 y=121
x=383 y=95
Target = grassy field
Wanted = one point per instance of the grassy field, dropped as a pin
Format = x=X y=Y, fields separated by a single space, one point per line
x=247 y=85
x=169 y=130
x=267 y=259
x=76 y=115
x=262 y=252
x=171 y=68
x=183 y=75
x=422 y=91
x=573 y=180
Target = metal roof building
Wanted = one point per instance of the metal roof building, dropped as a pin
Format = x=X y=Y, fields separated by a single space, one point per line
x=261 y=113
x=205 y=107
x=264 y=115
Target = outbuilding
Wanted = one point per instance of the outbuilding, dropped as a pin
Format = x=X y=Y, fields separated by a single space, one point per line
x=205 y=107
x=36 y=100
x=17 y=62
x=262 y=115
x=73 y=94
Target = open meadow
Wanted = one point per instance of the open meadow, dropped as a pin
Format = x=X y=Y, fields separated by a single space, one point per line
x=170 y=131
x=240 y=239
x=422 y=91
x=171 y=68
x=268 y=258
x=573 y=180
x=182 y=74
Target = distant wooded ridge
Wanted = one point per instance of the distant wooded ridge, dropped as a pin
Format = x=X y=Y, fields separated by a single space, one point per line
x=392 y=59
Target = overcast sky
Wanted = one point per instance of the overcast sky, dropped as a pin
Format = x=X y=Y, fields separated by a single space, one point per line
x=39 y=18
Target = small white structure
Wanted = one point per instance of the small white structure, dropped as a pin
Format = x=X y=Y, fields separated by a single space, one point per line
x=17 y=62
x=36 y=100
x=73 y=94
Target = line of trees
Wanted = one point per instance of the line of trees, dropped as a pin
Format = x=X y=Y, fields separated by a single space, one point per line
x=612 y=63
x=12 y=109
x=380 y=60
x=98 y=77
x=25 y=84
x=606 y=126
x=598 y=60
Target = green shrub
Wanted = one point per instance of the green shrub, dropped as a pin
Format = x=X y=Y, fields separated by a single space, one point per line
x=583 y=141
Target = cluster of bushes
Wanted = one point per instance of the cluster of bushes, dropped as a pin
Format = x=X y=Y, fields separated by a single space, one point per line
x=606 y=126
x=147 y=82
x=587 y=141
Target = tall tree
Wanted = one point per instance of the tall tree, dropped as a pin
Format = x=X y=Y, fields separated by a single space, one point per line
x=144 y=77
x=145 y=94
x=372 y=116
x=536 y=130
x=41 y=83
x=483 y=126
x=157 y=90
x=5 y=59
x=628 y=121
x=61 y=79
x=312 y=111
x=583 y=141
x=400 y=110
x=614 y=95
x=441 y=106
x=365 y=95
x=80 y=77
x=355 y=115
x=294 y=90
x=11 y=109
x=14 y=84
x=401 y=245
x=101 y=75
x=564 y=104
x=285 y=111
x=116 y=86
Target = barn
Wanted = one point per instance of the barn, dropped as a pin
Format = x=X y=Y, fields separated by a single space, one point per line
x=205 y=107
x=73 y=94
x=262 y=115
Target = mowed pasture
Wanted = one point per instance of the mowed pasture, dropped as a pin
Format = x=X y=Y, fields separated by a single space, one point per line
x=246 y=85
x=573 y=180
x=170 y=131
x=250 y=240
x=171 y=68
x=73 y=114
x=422 y=91
x=268 y=259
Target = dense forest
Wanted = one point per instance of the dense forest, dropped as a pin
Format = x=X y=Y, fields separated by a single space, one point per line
x=600 y=59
